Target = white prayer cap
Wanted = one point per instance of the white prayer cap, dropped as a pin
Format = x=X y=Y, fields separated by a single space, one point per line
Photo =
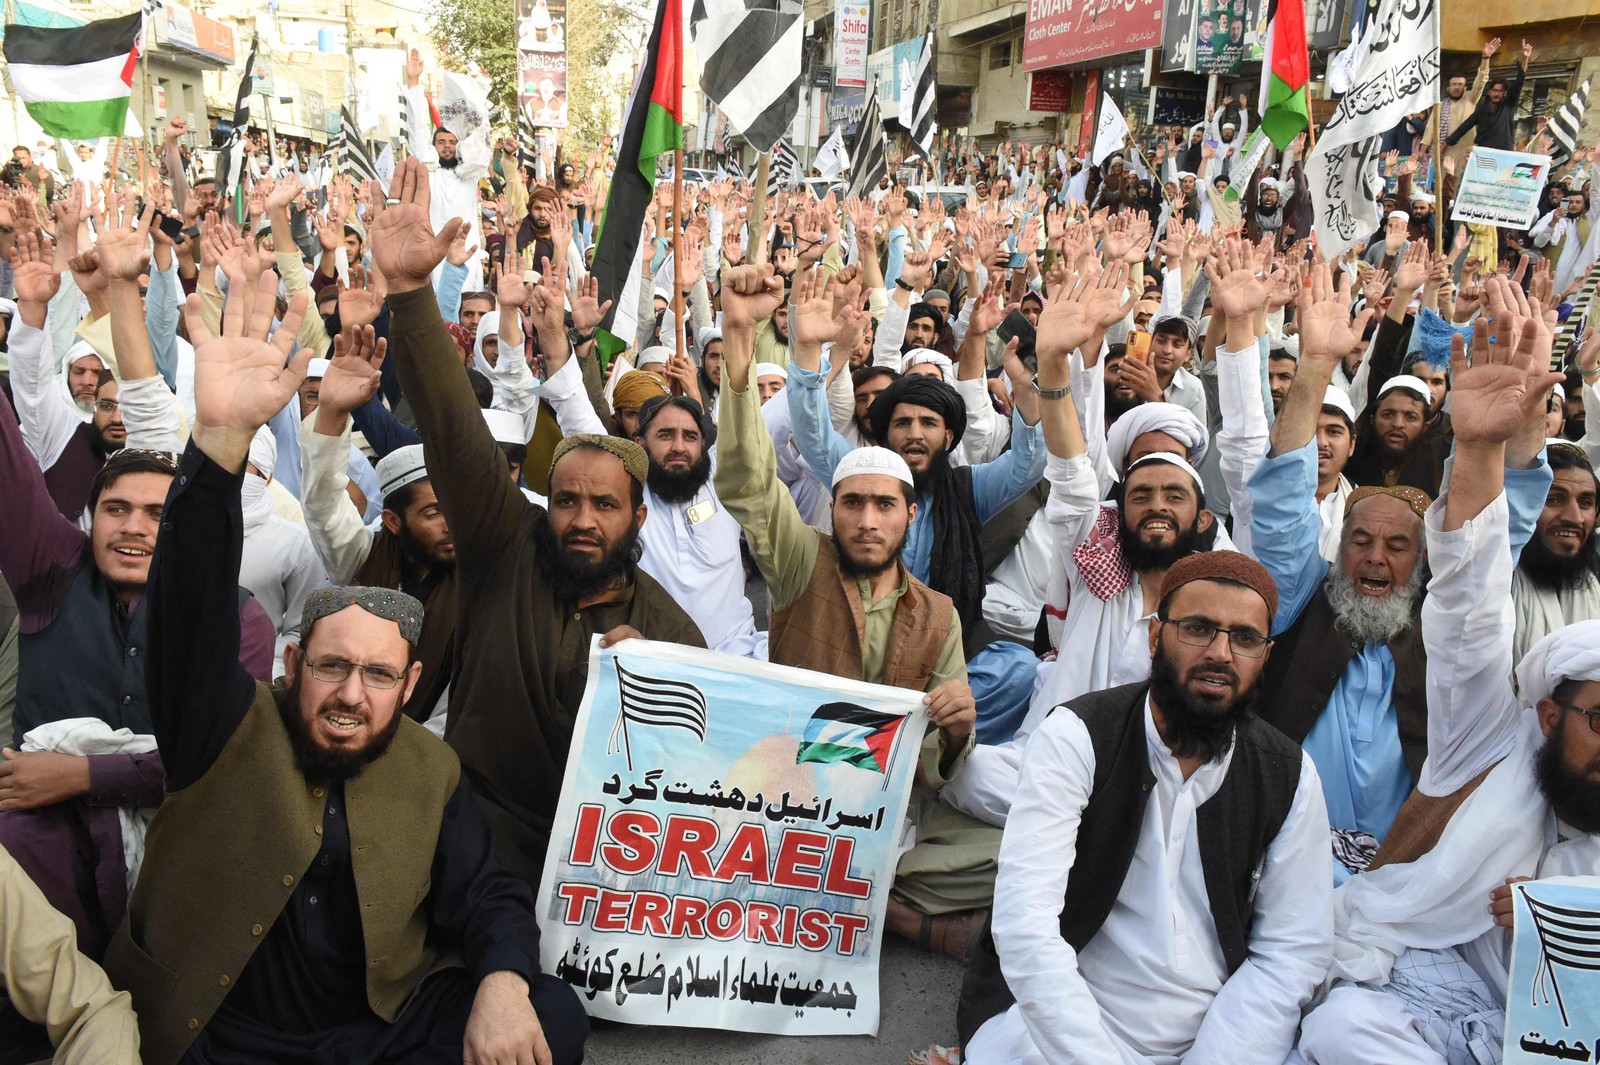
x=264 y=451
x=1421 y=197
x=1177 y=422
x=1229 y=125
x=1339 y=399
x=706 y=335
x=317 y=368
x=1561 y=393
x=1409 y=383
x=1169 y=459
x=506 y=427
x=872 y=460
x=929 y=357
x=657 y=353
x=662 y=294
x=8 y=307
x=1284 y=347
x=770 y=369
x=1268 y=183
x=401 y=467
x=1185 y=173
x=1400 y=215
x=1570 y=653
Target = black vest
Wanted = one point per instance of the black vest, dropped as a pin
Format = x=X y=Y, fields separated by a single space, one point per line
x=70 y=477
x=88 y=662
x=1310 y=657
x=1236 y=826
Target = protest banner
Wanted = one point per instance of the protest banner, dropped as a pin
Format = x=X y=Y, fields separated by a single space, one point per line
x=725 y=843
x=542 y=61
x=1500 y=188
x=1553 y=1000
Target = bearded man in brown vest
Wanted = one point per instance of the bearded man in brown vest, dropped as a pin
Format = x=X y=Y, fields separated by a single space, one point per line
x=846 y=605
x=319 y=885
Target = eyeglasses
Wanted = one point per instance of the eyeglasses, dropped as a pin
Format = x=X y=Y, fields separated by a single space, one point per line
x=1592 y=715
x=337 y=671
x=106 y=406
x=1247 y=643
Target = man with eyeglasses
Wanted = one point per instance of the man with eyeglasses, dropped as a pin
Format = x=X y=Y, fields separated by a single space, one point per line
x=1346 y=678
x=1511 y=787
x=319 y=884
x=1160 y=895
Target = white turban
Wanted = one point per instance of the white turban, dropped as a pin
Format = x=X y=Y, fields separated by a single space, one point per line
x=264 y=451
x=507 y=427
x=929 y=357
x=654 y=354
x=1177 y=422
x=872 y=460
x=1571 y=653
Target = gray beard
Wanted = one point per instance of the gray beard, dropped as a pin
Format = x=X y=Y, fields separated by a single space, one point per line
x=1368 y=618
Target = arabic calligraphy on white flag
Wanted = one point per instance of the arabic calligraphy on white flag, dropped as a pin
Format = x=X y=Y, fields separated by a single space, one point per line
x=725 y=843
x=1398 y=75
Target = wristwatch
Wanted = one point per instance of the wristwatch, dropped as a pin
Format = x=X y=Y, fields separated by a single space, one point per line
x=1051 y=393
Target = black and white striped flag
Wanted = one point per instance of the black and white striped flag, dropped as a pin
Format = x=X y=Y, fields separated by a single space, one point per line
x=354 y=159
x=750 y=51
x=923 y=131
x=654 y=701
x=869 y=152
x=230 y=160
x=403 y=134
x=735 y=171
x=784 y=170
x=1566 y=122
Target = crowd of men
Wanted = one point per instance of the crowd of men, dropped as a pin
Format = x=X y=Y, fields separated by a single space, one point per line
x=1254 y=596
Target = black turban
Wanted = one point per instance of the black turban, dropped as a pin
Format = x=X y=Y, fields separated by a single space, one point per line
x=955 y=565
x=926 y=310
x=923 y=390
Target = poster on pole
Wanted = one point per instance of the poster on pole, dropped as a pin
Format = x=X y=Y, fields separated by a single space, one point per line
x=1553 y=1000
x=1500 y=188
x=542 y=61
x=726 y=840
x=852 y=23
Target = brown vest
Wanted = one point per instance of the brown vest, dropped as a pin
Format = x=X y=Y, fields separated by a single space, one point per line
x=823 y=628
x=223 y=856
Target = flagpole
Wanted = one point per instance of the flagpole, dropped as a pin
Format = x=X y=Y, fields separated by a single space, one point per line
x=677 y=259
x=758 y=211
x=1439 y=213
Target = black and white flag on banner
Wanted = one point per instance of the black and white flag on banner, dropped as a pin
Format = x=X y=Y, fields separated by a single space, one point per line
x=354 y=159
x=784 y=170
x=230 y=159
x=750 y=51
x=1566 y=122
x=869 y=152
x=656 y=702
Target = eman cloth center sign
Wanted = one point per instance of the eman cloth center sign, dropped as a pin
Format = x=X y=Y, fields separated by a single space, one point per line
x=726 y=840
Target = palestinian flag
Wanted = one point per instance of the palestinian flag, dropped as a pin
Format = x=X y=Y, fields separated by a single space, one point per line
x=652 y=125
x=1285 y=70
x=76 y=81
x=845 y=732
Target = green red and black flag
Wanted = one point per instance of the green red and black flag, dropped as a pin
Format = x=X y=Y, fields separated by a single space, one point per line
x=652 y=125
x=845 y=732
x=1285 y=73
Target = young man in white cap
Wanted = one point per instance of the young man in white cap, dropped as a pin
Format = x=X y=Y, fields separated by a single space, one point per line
x=825 y=589
x=1392 y=443
x=1345 y=676
x=1509 y=790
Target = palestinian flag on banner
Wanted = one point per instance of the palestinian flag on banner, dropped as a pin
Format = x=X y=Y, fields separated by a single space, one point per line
x=1285 y=72
x=652 y=125
x=845 y=732
x=76 y=81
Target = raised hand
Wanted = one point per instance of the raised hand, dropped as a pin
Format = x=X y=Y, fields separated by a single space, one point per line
x=811 y=310
x=510 y=290
x=1493 y=396
x=33 y=275
x=360 y=302
x=1412 y=270
x=587 y=310
x=1064 y=324
x=405 y=249
x=1104 y=301
x=240 y=378
x=413 y=67
x=749 y=295
x=353 y=374
x=1326 y=330
x=917 y=269
x=546 y=309
x=124 y=251
x=1237 y=289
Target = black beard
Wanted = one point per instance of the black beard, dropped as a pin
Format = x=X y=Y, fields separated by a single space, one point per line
x=415 y=553
x=574 y=578
x=450 y=163
x=679 y=486
x=1143 y=557
x=1195 y=728
x=780 y=333
x=937 y=467
x=1116 y=406
x=851 y=567
x=1574 y=798
x=1551 y=572
x=1575 y=427
x=318 y=762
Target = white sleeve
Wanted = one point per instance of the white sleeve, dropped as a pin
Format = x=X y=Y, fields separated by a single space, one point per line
x=150 y=414
x=1243 y=438
x=1089 y=396
x=418 y=130
x=342 y=542
x=47 y=421
x=891 y=334
x=1254 y=1018
x=1543 y=230
x=841 y=396
x=1468 y=622
x=569 y=400
x=1040 y=967
x=987 y=433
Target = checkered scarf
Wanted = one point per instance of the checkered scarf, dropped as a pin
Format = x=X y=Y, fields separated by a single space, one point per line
x=1105 y=570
